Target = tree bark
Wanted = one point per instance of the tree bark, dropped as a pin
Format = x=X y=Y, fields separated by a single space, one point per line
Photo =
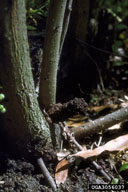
x=66 y=22
x=23 y=122
x=47 y=92
x=101 y=124
x=78 y=26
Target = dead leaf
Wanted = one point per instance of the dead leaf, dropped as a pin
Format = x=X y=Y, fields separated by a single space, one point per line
x=118 y=144
x=62 y=154
x=78 y=117
x=76 y=120
x=124 y=104
x=103 y=107
x=61 y=172
x=116 y=126
x=79 y=120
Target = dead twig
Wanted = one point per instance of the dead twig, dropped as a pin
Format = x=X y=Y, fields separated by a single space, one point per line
x=46 y=174
x=73 y=140
x=100 y=169
x=101 y=124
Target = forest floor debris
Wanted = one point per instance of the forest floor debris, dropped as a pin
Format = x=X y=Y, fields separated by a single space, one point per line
x=18 y=174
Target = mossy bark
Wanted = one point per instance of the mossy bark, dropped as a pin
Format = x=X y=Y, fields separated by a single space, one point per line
x=23 y=121
x=47 y=93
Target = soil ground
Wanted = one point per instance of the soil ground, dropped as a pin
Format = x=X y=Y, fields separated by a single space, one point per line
x=20 y=174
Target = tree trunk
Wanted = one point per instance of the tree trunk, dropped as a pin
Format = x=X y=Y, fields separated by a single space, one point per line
x=23 y=122
x=77 y=79
x=78 y=26
x=47 y=93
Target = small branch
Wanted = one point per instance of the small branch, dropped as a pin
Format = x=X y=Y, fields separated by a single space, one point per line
x=65 y=23
x=101 y=124
x=100 y=169
x=72 y=139
x=69 y=135
x=46 y=174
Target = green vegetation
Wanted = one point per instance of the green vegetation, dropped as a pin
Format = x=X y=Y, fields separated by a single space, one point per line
x=2 y=108
x=117 y=15
x=36 y=11
x=123 y=167
x=115 y=181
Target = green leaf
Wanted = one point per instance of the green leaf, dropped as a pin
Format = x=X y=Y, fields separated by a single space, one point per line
x=32 y=11
x=2 y=96
x=31 y=28
x=118 y=63
x=2 y=109
x=115 y=181
x=114 y=48
x=121 y=26
x=122 y=36
x=123 y=167
x=119 y=9
x=118 y=43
